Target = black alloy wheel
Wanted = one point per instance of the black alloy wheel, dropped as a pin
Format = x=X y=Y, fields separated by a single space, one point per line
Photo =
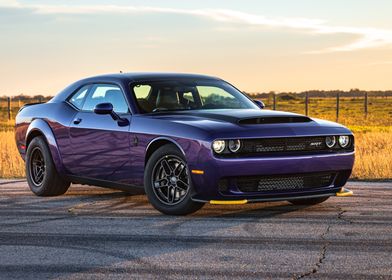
x=170 y=180
x=168 y=183
x=37 y=167
x=41 y=173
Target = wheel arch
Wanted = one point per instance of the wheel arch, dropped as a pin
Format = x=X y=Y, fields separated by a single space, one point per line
x=34 y=133
x=156 y=143
x=40 y=127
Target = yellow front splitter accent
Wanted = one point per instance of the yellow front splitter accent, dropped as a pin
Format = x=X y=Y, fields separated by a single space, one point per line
x=198 y=172
x=228 y=202
x=344 y=192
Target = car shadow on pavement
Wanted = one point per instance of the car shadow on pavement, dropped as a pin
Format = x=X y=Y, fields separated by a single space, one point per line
x=107 y=200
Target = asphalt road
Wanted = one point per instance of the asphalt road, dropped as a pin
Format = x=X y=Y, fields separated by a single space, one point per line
x=95 y=233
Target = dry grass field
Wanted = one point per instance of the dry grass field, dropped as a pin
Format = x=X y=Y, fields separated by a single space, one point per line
x=11 y=164
x=373 y=155
x=373 y=134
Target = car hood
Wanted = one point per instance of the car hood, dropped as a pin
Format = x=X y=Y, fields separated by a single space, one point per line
x=222 y=115
x=251 y=123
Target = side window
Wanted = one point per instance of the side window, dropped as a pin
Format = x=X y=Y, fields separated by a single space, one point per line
x=103 y=93
x=78 y=97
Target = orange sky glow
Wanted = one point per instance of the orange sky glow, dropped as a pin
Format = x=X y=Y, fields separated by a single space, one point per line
x=262 y=46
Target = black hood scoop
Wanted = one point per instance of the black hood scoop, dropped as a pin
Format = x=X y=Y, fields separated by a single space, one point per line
x=275 y=119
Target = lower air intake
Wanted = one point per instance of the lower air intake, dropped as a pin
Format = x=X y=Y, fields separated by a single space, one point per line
x=284 y=182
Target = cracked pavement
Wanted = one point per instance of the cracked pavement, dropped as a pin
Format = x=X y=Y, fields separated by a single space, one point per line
x=96 y=233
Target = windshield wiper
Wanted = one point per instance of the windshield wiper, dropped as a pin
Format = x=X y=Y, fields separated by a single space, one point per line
x=156 y=110
x=160 y=110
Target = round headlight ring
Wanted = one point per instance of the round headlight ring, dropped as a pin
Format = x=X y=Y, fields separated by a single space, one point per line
x=344 y=141
x=234 y=145
x=218 y=146
x=330 y=141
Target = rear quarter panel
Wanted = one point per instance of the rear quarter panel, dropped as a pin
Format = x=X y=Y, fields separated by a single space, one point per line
x=50 y=119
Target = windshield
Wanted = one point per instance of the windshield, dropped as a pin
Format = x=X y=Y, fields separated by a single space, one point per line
x=189 y=95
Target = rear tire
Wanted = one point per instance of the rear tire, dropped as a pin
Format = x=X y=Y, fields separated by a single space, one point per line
x=168 y=184
x=41 y=173
x=309 y=201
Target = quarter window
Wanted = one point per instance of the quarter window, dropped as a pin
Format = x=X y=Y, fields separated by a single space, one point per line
x=104 y=93
x=78 y=98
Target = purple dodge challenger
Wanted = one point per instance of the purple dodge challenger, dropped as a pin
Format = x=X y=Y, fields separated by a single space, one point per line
x=185 y=139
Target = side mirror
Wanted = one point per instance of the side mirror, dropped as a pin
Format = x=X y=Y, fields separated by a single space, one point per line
x=103 y=109
x=107 y=109
x=259 y=103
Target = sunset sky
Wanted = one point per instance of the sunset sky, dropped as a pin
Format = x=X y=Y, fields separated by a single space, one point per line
x=280 y=45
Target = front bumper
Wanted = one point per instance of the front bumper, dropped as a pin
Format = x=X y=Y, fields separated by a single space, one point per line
x=214 y=169
x=343 y=192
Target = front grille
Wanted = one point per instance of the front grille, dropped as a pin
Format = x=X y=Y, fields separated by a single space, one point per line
x=280 y=182
x=287 y=145
x=283 y=144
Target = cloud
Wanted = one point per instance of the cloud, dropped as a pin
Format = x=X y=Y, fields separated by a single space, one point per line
x=366 y=38
x=9 y=4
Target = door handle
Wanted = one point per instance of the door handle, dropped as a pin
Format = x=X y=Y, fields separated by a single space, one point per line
x=77 y=121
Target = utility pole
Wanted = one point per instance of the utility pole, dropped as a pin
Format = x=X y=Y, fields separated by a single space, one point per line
x=274 y=100
x=337 y=106
x=306 y=103
x=366 y=104
x=9 y=107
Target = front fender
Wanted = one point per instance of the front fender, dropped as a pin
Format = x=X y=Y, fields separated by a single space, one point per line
x=191 y=149
x=41 y=127
x=166 y=139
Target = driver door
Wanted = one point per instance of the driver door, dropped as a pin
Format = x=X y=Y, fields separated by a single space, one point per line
x=100 y=146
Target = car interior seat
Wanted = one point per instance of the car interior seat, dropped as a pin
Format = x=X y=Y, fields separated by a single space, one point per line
x=167 y=98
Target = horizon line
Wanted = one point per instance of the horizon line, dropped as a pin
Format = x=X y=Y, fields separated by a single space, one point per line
x=245 y=92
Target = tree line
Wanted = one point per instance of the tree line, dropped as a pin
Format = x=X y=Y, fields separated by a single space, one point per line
x=322 y=94
x=282 y=95
x=26 y=98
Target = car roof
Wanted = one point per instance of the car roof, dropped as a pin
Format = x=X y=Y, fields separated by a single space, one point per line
x=127 y=78
x=152 y=76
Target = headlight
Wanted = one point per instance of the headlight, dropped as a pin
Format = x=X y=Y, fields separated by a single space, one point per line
x=218 y=146
x=344 y=141
x=234 y=145
x=330 y=141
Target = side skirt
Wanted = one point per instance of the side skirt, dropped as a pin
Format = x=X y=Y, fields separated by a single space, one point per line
x=133 y=189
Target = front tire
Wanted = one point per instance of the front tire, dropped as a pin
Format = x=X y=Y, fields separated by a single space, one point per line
x=309 y=201
x=168 y=184
x=42 y=176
